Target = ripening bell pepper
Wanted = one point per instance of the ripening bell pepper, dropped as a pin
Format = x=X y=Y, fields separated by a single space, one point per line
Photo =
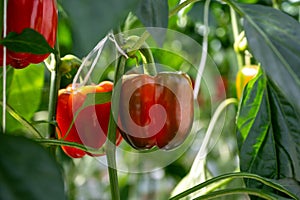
x=156 y=110
x=39 y=15
x=89 y=125
x=243 y=76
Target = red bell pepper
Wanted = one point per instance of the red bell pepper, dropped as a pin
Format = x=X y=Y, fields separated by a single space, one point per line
x=90 y=126
x=156 y=110
x=38 y=15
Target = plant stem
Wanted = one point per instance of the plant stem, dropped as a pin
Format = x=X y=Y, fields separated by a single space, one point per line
x=54 y=87
x=141 y=41
x=4 y=67
x=204 y=50
x=203 y=149
x=134 y=44
x=112 y=127
x=148 y=61
x=146 y=34
x=111 y=159
x=181 y=6
x=276 y=4
x=235 y=30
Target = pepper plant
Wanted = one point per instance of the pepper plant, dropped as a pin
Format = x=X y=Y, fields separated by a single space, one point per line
x=65 y=96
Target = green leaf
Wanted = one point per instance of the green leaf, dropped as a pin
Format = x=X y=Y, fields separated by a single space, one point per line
x=24 y=93
x=291 y=185
x=222 y=178
x=154 y=13
x=269 y=132
x=29 y=41
x=9 y=74
x=92 y=20
x=274 y=40
x=27 y=171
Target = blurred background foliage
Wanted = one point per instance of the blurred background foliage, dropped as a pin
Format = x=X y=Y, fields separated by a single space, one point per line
x=84 y=23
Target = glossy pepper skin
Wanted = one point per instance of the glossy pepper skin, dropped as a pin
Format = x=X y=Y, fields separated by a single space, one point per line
x=243 y=76
x=156 y=110
x=91 y=124
x=36 y=14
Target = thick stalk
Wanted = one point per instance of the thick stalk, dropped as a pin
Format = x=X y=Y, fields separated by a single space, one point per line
x=54 y=87
x=112 y=127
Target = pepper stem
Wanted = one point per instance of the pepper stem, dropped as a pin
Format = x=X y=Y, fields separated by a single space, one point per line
x=134 y=44
x=148 y=61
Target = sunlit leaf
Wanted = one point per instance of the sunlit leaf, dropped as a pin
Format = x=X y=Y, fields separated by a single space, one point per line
x=24 y=93
x=269 y=132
